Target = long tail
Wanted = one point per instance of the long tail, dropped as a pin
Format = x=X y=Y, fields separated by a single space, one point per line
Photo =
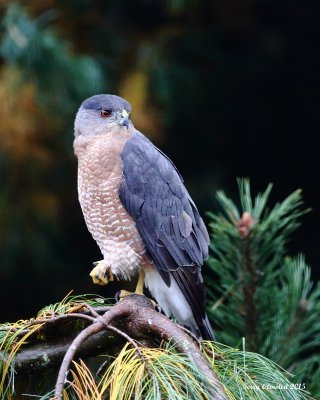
x=205 y=329
x=191 y=284
x=187 y=308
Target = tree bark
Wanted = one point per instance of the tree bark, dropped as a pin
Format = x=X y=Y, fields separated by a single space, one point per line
x=49 y=354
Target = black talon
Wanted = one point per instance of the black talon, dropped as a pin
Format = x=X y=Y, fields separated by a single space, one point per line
x=158 y=308
x=117 y=296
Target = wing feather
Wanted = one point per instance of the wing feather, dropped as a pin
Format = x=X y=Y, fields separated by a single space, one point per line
x=154 y=194
x=168 y=221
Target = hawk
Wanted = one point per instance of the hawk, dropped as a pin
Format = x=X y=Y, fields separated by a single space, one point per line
x=139 y=212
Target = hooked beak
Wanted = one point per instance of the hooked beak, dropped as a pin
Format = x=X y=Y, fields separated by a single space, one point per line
x=124 y=120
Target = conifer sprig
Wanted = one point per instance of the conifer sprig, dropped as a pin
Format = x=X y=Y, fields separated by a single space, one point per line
x=264 y=295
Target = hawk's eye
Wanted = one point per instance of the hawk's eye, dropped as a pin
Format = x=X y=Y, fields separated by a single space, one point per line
x=105 y=113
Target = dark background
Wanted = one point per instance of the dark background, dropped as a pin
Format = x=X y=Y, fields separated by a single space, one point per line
x=226 y=88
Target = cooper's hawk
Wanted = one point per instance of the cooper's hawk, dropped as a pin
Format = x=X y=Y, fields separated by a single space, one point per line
x=139 y=212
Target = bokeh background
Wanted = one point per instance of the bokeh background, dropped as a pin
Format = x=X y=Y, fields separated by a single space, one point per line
x=226 y=88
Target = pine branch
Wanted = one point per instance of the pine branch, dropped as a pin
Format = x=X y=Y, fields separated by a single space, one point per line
x=263 y=295
x=249 y=293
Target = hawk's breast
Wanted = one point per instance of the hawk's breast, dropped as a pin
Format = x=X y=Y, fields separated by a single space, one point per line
x=99 y=178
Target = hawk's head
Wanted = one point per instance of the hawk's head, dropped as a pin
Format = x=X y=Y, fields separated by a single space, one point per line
x=101 y=113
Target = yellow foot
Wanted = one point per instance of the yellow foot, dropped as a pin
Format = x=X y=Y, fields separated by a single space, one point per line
x=139 y=288
x=124 y=293
x=101 y=274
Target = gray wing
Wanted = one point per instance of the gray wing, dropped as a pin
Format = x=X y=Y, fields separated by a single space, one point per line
x=167 y=219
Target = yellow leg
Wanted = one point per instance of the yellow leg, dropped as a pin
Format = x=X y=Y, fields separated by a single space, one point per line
x=139 y=287
x=140 y=284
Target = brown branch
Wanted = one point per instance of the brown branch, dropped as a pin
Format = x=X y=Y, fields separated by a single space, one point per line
x=47 y=322
x=135 y=317
x=191 y=334
x=61 y=317
x=49 y=354
x=83 y=335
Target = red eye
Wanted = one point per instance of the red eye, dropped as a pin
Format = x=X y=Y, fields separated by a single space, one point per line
x=105 y=113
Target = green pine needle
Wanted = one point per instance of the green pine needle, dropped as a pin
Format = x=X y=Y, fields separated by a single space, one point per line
x=257 y=291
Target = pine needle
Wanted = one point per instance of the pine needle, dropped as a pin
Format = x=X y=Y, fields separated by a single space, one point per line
x=9 y=346
x=163 y=375
x=260 y=293
x=249 y=375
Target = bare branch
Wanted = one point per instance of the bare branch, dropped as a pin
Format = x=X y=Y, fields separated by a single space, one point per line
x=135 y=316
x=49 y=354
